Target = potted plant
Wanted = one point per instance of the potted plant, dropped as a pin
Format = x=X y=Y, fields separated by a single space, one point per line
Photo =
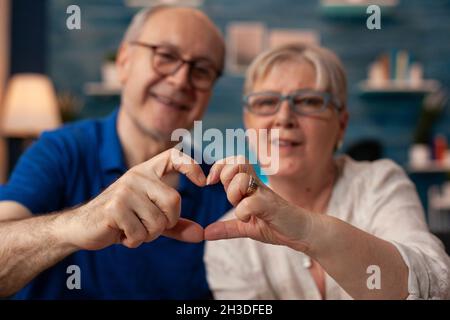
x=109 y=70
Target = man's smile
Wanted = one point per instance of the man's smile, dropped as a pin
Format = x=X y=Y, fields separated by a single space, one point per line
x=169 y=102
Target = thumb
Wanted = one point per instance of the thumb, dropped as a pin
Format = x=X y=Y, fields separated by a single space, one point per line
x=228 y=230
x=185 y=230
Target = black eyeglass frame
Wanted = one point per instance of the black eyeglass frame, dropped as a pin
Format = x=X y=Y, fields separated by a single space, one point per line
x=190 y=63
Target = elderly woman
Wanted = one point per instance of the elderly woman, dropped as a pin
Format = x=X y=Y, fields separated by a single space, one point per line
x=326 y=227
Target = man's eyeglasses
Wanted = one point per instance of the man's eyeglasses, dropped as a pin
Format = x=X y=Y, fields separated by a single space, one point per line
x=302 y=102
x=166 y=61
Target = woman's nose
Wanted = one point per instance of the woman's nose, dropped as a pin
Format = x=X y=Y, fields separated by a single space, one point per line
x=285 y=117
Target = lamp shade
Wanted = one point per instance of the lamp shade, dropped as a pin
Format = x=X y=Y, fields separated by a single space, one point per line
x=30 y=106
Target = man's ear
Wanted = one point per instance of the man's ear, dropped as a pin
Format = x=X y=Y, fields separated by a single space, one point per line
x=123 y=62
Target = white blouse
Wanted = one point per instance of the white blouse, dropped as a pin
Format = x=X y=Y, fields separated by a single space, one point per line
x=376 y=197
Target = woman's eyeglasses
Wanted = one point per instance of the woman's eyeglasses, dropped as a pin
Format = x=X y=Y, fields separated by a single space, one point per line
x=302 y=102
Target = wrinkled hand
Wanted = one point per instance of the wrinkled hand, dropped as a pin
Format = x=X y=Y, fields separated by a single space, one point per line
x=137 y=208
x=262 y=216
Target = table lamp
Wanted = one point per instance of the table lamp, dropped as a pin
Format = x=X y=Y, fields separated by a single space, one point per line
x=30 y=106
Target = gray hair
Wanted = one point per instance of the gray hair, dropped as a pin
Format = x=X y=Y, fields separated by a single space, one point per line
x=138 y=22
x=330 y=72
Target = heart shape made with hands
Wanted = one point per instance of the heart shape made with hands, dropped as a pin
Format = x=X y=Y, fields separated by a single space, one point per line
x=238 y=178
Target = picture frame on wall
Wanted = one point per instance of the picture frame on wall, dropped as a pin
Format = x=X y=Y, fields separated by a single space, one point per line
x=279 y=37
x=245 y=40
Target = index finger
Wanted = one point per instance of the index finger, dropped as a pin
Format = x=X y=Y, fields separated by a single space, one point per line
x=233 y=165
x=175 y=160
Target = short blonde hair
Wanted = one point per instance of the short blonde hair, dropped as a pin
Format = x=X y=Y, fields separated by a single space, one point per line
x=330 y=72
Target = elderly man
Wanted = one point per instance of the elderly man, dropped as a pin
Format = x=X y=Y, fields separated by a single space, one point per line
x=82 y=214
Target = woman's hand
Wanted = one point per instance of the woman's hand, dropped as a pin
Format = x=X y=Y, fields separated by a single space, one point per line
x=263 y=215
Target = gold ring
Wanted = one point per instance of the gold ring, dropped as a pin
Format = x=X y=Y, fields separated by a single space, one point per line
x=252 y=187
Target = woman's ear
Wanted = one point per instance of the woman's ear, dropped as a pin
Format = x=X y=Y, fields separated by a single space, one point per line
x=343 y=122
x=123 y=62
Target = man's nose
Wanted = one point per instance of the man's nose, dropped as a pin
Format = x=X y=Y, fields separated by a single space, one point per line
x=180 y=78
x=285 y=117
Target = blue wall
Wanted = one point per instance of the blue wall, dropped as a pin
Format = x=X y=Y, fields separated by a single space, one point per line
x=28 y=36
x=419 y=26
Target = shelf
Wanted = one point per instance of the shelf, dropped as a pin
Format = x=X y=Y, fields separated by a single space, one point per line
x=433 y=167
x=100 y=89
x=442 y=204
x=151 y=3
x=355 y=8
x=439 y=204
x=398 y=87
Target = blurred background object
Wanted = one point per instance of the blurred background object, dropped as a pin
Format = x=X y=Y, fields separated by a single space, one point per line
x=4 y=71
x=355 y=8
x=149 y=3
x=30 y=107
x=69 y=106
x=432 y=108
x=365 y=150
x=109 y=72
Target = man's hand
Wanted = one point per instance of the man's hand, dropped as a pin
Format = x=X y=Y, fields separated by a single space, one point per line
x=137 y=208
x=262 y=216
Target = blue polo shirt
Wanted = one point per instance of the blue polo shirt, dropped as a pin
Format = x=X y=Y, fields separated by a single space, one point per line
x=70 y=166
